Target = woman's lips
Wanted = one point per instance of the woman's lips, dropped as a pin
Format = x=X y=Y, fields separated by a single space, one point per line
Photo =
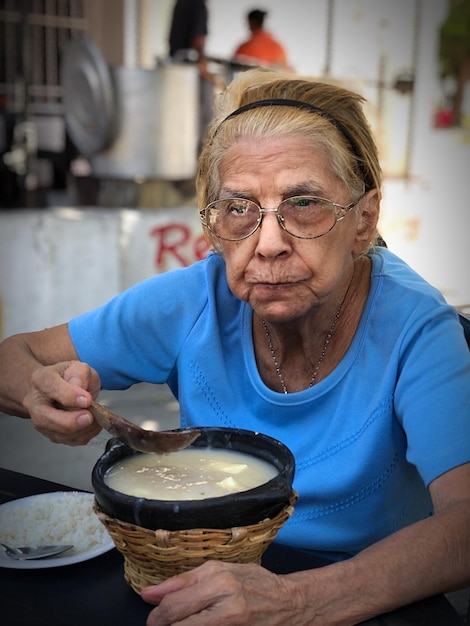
x=269 y=286
x=277 y=284
x=287 y=282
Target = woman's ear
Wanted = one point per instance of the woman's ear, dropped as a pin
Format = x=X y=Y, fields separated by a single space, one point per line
x=368 y=211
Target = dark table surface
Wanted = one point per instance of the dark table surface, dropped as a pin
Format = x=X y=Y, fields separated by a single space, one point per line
x=94 y=592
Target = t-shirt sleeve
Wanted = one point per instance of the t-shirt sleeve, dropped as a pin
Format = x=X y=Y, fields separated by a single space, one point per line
x=136 y=337
x=432 y=395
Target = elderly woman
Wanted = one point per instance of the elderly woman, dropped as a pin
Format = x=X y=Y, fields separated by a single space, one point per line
x=297 y=326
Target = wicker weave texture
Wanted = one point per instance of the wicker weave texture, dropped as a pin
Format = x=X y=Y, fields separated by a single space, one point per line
x=151 y=556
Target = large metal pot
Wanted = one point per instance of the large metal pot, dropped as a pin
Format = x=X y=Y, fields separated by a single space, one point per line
x=131 y=123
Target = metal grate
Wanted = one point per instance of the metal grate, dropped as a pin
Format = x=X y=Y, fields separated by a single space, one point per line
x=33 y=34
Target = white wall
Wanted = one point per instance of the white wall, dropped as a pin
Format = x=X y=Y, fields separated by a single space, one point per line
x=57 y=263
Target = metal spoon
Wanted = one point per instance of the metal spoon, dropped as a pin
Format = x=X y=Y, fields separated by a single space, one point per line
x=138 y=438
x=26 y=553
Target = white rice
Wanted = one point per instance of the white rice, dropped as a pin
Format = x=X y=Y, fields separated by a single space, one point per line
x=53 y=518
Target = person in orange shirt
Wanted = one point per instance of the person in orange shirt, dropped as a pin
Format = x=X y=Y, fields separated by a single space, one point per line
x=262 y=48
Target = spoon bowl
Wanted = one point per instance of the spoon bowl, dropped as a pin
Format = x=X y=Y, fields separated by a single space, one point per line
x=159 y=442
x=27 y=553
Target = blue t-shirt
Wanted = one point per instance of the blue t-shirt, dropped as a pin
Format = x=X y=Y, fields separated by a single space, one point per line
x=367 y=439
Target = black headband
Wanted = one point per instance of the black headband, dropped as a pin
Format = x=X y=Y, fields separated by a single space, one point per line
x=308 y=107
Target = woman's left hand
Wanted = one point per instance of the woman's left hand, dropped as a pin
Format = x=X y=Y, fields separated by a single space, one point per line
x=224 y=593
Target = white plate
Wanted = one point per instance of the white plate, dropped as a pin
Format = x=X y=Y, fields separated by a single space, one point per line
x=47 y=506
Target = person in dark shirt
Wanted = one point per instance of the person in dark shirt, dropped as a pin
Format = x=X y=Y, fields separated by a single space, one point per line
x=187 y=40
x=188 y=28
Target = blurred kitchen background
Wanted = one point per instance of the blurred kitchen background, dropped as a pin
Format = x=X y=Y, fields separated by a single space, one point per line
x=99 y=141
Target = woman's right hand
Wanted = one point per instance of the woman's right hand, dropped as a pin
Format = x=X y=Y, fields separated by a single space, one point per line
x=57 y=402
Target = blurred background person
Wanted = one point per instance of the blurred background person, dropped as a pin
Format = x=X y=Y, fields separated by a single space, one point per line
x=187 y=41
x=188 y=30
x=261 y=48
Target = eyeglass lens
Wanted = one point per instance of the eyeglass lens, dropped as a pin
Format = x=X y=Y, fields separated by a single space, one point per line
x=302 y=216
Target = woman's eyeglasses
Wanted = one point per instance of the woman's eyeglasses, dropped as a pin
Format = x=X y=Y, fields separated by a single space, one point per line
x=305 y=217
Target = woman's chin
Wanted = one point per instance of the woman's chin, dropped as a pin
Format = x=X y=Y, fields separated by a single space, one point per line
x=278 y=312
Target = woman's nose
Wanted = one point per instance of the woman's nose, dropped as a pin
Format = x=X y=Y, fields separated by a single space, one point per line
x=272 y=238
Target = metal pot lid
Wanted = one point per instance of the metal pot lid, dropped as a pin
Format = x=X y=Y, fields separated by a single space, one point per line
x=89 y=100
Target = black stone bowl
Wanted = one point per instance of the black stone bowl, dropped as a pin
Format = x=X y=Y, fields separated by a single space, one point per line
x=238 y=509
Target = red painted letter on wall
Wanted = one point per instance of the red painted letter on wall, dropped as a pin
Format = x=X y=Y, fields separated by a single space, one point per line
x=174 y=241
x=170 y=239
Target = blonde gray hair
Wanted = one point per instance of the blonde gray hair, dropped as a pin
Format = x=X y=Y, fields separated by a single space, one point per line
x=343 y=132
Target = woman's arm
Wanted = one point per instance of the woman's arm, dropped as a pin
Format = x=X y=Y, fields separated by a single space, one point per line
x=431 y=556
x=428 y=557
x=41 y=373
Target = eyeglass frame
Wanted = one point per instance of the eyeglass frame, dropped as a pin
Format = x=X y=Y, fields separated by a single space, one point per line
x=262 y=211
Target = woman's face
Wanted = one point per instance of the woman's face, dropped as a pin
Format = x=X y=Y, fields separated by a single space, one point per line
x=284 y=278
